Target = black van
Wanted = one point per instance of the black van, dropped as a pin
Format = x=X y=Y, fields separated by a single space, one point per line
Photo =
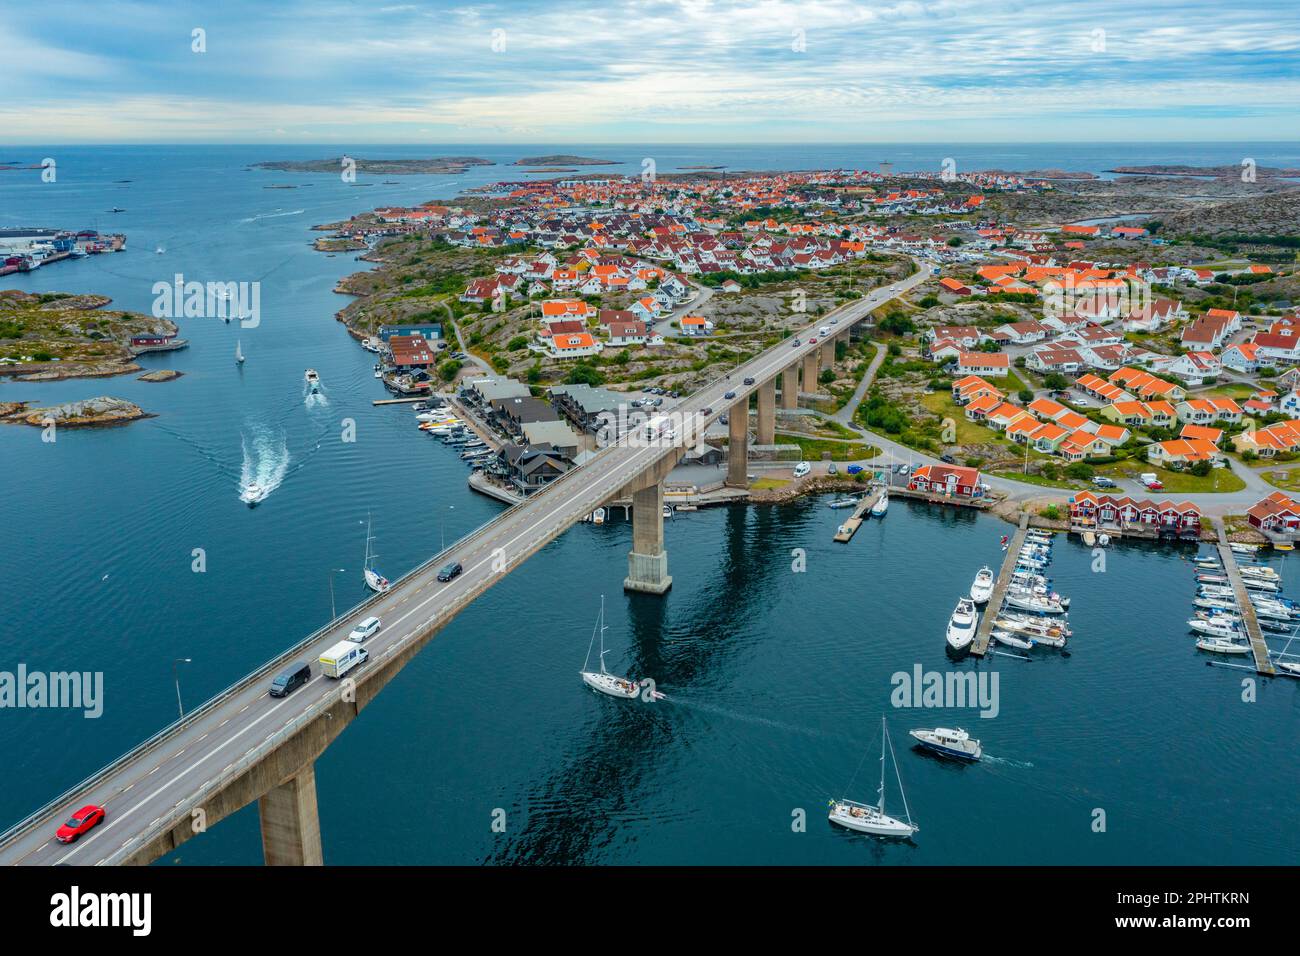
x=290 y=680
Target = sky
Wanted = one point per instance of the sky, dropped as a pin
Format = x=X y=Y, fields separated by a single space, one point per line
x=639 y=71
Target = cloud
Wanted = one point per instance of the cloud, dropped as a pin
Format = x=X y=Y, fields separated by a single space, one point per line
x=619 y=70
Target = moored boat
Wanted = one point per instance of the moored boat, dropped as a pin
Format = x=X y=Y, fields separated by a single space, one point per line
x=961 y=626
x=1219 y=645
x=982 y=587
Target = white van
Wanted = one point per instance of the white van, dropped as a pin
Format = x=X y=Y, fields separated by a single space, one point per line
x=802 y=469
x=341 y=658
x=824 y=330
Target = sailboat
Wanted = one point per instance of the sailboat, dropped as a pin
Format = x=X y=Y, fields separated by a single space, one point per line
x=374 y=580
x=881 y=506
x=865 y=818
x=239 y=353
x=603 y=680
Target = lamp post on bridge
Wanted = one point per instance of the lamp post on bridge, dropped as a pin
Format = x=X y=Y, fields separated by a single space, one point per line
x=442 y=525
x=333 y=613
x=176 y=676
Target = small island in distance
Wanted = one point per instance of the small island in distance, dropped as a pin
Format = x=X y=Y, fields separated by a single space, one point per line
x=436 y=166
x=563 y=159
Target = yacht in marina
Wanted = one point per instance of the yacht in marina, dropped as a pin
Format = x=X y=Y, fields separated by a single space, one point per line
x=961 y=626
x=881 y=506
x=982 y=588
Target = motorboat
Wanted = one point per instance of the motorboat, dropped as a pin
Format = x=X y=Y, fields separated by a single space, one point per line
x=1239 y=547
x=961 y=626
x=1037 y=628
x=1259 y=571
x=1223 y=629
x=312 y=378
x=251 y=494
x=845 y=502
x=598 y=516
x=1219 y=645
x=865 y=818
x=1213 y=603
x=602 y=680
x=881 y=506
x=982 y=587
x=1289 y=667
x=955 y=743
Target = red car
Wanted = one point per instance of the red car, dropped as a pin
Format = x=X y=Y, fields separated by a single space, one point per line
x=83 y=820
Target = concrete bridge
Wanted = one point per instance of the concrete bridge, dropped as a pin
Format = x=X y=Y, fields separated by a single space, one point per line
x=244 y=746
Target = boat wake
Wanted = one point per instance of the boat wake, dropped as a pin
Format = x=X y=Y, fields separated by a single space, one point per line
x=746 y=718
x=274 y=215
x=1007 y=762
x=314 y=398
x=266 y=462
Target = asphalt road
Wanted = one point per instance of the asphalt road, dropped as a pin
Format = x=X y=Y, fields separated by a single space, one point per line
x=151 y=786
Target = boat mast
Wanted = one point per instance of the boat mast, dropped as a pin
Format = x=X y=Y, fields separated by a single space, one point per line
x=881 y=792
x=602 y=635
x=898 y=774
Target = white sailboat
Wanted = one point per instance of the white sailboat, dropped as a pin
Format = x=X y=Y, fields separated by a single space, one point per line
x=881 y=506
x=239 y=353
x=374 y=580
x=603 y=680
x=865 y=818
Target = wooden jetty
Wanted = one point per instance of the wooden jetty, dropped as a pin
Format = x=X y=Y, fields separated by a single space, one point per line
x=400 y=401
x=1258 y=646
x=844 y=534
x=984 y=634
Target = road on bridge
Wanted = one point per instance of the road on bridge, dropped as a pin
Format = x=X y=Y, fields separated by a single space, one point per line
x=149 y=789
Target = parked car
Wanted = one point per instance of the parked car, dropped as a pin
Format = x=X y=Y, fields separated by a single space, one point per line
x=948 y=459
x=85 y=819
x=1101 y=481
x=853 y=469
x=831 y=469
x=290 y=679
x=367 y=628
x=802 y=469
x=450 y=571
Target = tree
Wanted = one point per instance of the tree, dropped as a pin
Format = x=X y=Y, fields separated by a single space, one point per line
x=1025 y=395
x=1081 y=470
x=448 y=369
x=827 y=376
x=518 y=342
x=1201 y=469
x=584 y=373
x=1056 y=381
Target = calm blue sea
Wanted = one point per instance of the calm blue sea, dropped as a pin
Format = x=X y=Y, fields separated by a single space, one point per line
x=776 y=680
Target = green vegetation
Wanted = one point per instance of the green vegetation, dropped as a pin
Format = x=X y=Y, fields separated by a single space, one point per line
x=813 y=448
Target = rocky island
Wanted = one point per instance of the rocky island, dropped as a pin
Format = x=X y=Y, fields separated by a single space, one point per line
x=564 y=159
x=435 y=166
x=86 y=413
x=55 y=335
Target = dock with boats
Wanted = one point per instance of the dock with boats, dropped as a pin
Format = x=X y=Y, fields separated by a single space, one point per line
x=844 y=534
x=1246 y=607
x=980 y=646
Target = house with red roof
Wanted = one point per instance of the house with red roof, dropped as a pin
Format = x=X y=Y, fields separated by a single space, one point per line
x=948 y=480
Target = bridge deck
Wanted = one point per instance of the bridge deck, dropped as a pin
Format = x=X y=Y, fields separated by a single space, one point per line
x=984 y=634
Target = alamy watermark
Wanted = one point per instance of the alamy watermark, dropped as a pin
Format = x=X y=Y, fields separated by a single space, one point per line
x=946 y=689
x=76 y=690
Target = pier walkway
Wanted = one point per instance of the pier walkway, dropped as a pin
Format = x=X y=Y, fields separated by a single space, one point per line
x=1258 y=646
x=982 y=636
x=844 y=534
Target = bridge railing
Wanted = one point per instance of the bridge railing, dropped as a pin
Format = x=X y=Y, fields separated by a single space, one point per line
x=261 y=672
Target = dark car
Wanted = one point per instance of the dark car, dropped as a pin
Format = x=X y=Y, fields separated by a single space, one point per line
x=450 y=571
x=290 y=680
x=83 y=820
x=708 y=410
x=749 y=381
x=796 y=343
x=948 y=459
x=730 y=395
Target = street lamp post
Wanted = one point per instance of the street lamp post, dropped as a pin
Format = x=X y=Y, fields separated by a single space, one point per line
x=333 y=613
x=176 y=676
x=443 y=526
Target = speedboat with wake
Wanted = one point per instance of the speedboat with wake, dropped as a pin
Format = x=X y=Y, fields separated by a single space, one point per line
x=955 y=743
x=961 y=626
x=312 y=378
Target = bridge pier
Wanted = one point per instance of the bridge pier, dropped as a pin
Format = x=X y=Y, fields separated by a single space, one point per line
x=647 y=562
x=828 y=354
x=810 y=371
x=290 y=822
x=738 y=446
x=790 y=387
x=766 y=432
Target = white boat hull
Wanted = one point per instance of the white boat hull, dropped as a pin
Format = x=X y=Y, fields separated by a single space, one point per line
x=609 y=684
x=869 y=820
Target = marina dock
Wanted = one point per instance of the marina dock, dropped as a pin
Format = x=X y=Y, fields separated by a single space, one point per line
x=844 y=534
x=980 y=646
x=1258 y=646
